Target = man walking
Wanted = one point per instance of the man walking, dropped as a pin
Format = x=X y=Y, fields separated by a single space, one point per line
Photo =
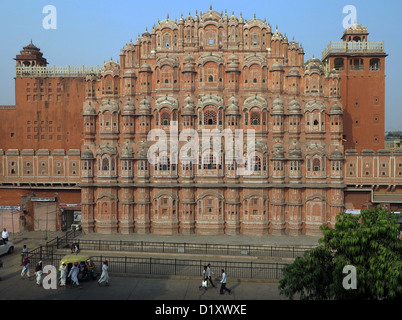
x=38 y=273
x=63 y=274
x=223 y=284
x=209 y=275
x=74 y=274
x=105 y=274
x=24 y=253
x=25 y=268
x=204 y=281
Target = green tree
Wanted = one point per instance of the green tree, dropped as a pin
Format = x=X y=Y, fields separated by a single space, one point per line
x=369 y=242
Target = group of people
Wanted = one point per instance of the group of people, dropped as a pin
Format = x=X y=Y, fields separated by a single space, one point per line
x=207 y=276
x=26 y=270
x=83 y=269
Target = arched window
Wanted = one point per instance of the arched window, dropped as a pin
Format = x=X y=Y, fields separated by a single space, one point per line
x=255 y=118
x=210 y=117
x=165 y=118
x=316 y=164
x=105 y=164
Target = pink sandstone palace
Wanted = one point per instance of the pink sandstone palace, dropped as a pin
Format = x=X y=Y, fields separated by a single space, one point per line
x=75 y=145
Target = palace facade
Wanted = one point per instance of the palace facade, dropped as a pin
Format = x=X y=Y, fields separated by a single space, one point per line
x=78 y=141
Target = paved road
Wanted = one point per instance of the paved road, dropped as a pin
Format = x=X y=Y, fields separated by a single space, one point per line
x=124 y=288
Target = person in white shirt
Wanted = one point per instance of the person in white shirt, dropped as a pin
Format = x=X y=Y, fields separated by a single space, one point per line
x=74 y=274
x=209 y=274
x=105 y=274
x=63 y=274
x=4 y=235
x=223 y=284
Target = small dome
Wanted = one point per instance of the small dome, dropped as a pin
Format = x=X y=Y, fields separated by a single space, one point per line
x=277 y=66
x=128 y=107
x=145 y=68
x=294 y=107
x=130 y=46
x=87 y=155
x=144 y=107
x=336 y=154
x=335 y=109
x=294 y=72
x=89 y=110
x=233 y=108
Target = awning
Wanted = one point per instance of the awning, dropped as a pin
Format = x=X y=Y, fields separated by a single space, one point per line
x=387 y=198
x=70 y=205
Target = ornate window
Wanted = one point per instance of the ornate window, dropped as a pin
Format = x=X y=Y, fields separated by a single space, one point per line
x=255 y=118
x=165 y=118
x=316 y=164
x=210 y=117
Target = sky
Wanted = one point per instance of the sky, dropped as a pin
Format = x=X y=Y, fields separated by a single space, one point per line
x=89 y=32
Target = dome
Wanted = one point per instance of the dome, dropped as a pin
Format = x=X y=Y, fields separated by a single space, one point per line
x=336 y=154
x=144 y=107
x=188 y=108
x=145 y=68
x=294 y=72
x=335 y=109
x=89 y=110
x=128 y=107
x=277 y=35
x=277 y=66
x=127 y=151
x=130 y=46
x=277 y=106
x=87 y=155
x=130 y=73
x=233 y=108
x=294 y=107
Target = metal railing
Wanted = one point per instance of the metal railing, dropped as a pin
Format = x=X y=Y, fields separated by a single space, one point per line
x=189 y=248
x=170 y=267
x=69 y=71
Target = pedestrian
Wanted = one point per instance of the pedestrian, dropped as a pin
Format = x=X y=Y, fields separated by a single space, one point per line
x=4 y=235
x=25 y=269
x=105 y=274
x=204 y=281
x=223 y=284
x=209 y=274
x=63 y=274
x=38 y=273
x=24 y=253
x=74 y=275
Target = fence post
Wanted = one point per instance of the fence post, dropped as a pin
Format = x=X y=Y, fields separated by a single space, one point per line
x=40 y=253
x=125 y=264
x=251 y=264
x=142 y=246
x=277 y=270
x=150 y=265
x=175 y=266
x=99 y=245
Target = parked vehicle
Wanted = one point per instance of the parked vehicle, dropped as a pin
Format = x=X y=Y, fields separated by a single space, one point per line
x=7 y=247
x=85 y=264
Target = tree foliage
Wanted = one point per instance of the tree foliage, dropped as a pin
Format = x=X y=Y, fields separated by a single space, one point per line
x=369 y=242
